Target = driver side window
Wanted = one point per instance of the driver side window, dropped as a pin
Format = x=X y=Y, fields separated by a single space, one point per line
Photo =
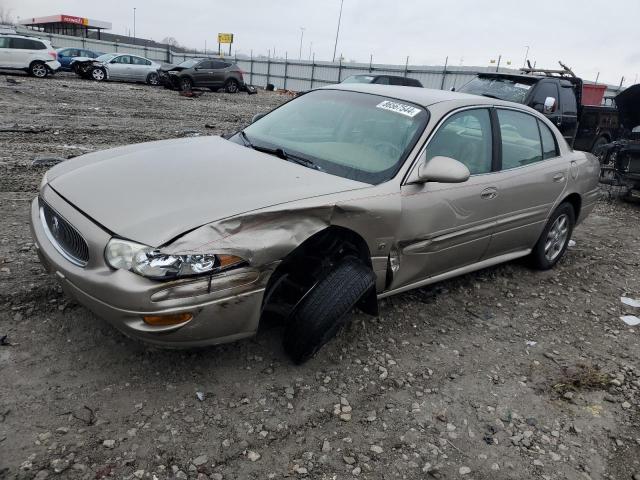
x=466 y=137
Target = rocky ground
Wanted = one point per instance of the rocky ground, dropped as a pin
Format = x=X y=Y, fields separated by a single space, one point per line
x=506 y=373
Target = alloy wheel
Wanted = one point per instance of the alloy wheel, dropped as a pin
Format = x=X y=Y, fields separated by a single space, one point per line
x=557 y=237
x=39 y=70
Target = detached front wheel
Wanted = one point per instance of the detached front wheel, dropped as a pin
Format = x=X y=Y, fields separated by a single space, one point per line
x=325 y=309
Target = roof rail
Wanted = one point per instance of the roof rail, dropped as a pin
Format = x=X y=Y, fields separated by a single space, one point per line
x=565 y=72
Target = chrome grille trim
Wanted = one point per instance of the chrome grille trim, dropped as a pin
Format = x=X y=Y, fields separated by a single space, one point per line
x=65 y=239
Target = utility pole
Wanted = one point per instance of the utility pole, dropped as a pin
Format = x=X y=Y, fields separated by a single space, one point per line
x=302 y=29
x=526 y=55
x=134 y=25
x=498 y=65
x=335 y=45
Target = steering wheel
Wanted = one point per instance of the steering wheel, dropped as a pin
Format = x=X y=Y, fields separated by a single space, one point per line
x=387 y=147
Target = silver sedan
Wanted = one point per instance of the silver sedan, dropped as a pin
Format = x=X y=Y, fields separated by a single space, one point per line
x=125 y=68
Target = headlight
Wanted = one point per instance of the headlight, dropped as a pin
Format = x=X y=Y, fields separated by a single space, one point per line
x=152 y=263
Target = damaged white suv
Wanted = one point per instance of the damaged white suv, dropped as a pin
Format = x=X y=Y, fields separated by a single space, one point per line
x=33 y=55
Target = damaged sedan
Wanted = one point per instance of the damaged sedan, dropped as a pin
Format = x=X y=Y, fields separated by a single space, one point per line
x=340 y=197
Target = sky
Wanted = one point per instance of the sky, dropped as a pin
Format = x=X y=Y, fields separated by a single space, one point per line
x=589 y=36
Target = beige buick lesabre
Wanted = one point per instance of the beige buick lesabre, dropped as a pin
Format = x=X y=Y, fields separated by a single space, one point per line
x=342 y=196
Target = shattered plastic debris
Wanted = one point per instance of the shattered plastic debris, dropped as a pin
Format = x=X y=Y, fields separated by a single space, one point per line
x=200 y=396
x=46 y=160
x=531 y=343
x=572 y=243
x=632 y=302
x=630 y=320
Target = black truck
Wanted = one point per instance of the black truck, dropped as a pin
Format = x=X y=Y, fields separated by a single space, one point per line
x=558 y=95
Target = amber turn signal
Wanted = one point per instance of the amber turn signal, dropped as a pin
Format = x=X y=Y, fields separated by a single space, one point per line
x=167 y=320
x=228 y=260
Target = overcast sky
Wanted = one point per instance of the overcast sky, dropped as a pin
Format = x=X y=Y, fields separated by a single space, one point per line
x=588 y=35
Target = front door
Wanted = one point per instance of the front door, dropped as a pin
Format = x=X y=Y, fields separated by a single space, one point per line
x=119 y=67
x=203 y=74
x=448 y=226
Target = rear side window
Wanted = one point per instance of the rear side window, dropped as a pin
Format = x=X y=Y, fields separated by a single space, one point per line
x=27 y=44
x=140 y=61
x=396 y=81
x=568 y=101
x=382 y=81
x=521 y=143
x=549 y=147
x=466 y=137
x=412 y=82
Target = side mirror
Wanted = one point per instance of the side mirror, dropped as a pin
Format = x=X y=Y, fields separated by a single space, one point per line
x=549 y=105
x=257 y=117
x=439 y=169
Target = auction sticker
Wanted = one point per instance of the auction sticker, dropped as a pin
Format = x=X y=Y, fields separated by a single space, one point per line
x=401 y=108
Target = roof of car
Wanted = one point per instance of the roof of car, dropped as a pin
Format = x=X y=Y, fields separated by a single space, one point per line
x=419 y=96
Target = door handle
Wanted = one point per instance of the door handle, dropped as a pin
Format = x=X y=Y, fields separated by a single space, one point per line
x=489 y=193
x=558 y=177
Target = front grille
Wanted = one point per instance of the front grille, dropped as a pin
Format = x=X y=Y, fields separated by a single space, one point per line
x=66 y=239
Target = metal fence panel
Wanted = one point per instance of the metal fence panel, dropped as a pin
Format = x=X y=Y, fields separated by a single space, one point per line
x=294 y=75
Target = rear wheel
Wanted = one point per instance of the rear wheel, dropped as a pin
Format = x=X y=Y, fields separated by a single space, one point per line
x=325 y=309
x=38 y=69
x=98 y=74
x=232 y=86
x=555 y=238
x=597 y=147
x=153 y=79
x=186 y=85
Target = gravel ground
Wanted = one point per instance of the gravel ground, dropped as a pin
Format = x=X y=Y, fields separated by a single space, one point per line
x=505 y=373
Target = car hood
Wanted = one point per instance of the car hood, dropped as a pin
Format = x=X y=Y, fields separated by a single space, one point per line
x=628 y=103
x=154 y=192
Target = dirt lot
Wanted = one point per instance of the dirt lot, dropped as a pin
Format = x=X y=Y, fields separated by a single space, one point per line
x=446 y=383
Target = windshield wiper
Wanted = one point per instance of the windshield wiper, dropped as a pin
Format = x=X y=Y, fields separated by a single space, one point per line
x=280 y=153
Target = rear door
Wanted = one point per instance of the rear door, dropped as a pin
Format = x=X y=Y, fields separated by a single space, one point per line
x=219 y=72
x=21 y=51
x=139 y=69
x=531 y=178
x=446 y=226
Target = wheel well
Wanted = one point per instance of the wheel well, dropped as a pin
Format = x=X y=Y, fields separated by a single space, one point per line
x=575 y=201
x=306 y=265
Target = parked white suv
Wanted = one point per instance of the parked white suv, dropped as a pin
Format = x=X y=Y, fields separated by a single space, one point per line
x=33 y=55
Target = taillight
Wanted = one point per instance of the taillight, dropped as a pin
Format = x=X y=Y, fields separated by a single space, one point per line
x=54 y=54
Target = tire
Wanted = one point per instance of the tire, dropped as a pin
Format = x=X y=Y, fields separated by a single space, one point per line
x=186 y=84
x=232 y=86
x=153 y=79
x=38 y=70
x=555 y=238
x=325 y=309
x=98 y=74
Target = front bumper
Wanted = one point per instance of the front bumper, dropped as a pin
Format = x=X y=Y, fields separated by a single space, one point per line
x=228 y=311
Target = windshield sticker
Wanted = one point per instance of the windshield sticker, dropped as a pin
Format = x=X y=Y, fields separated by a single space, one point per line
x=400 y=108
x=523 y=86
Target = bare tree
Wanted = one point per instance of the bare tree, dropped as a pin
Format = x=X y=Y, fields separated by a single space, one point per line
x=5 y=16
x=172 y=42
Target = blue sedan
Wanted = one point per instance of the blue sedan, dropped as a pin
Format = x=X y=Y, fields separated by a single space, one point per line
x=66 y=55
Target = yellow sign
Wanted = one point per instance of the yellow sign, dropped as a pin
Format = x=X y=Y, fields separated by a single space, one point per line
x=225 y=38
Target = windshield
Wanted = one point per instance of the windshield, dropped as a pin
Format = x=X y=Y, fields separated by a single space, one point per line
x=358 y=136
x=505 y=88
x=106 y=57
x=359 y=79
x=190 y=63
